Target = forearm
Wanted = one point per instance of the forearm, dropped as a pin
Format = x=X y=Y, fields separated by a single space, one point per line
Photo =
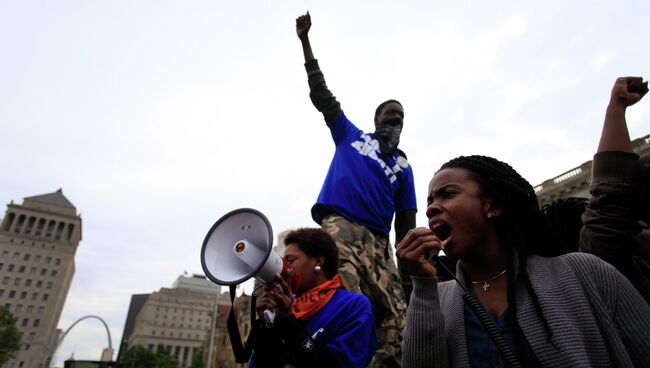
x=306 y=49
x=615 y=135
x=320 y=95
x=425 y=343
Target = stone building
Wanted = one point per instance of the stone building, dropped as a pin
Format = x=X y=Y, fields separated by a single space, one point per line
x=181 y=319
x=38 y=242
x=575 y=182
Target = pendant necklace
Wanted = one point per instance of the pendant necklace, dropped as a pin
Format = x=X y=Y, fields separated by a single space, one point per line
x=486 y=284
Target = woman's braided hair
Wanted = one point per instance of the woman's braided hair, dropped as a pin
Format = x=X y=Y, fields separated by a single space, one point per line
x=521 y=227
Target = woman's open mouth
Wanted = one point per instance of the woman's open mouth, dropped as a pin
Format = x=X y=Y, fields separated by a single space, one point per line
x=441 y=230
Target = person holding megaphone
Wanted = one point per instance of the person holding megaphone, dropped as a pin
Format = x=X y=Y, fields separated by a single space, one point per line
x=317 y=322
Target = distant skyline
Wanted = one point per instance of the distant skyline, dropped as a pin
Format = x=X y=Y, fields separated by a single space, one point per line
x=158 y=117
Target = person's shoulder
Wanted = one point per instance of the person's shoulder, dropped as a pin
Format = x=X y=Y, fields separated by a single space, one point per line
x=353 y=298
x=584 y=265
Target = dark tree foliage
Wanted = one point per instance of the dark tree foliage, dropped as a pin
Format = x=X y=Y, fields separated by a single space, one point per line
x=9 y=336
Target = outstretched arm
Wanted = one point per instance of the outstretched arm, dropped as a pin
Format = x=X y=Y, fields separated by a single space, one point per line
x=611 y=228
x=320 y=95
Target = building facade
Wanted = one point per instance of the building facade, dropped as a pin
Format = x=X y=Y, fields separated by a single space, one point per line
x=38 y=242
x=181 y=320
x=575 y=182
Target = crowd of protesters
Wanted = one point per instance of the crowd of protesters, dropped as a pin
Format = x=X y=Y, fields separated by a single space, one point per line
x=519 y=285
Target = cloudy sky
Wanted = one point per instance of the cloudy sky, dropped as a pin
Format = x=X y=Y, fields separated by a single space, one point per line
x=158 y=117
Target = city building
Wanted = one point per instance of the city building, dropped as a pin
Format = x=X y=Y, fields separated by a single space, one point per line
x=575 y=182
x=38 y=242
x=181 y=320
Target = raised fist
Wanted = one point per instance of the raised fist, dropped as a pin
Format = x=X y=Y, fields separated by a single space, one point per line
x=303 y=24
x=628 y=90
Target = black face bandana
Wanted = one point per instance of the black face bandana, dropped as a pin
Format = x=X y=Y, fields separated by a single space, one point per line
x=388 y=136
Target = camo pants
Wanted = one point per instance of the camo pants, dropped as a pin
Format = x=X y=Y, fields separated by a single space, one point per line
x=367 y=266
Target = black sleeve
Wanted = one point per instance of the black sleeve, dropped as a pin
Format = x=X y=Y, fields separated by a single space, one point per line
x=268 y=349
x=303 y=351
x=320 y=95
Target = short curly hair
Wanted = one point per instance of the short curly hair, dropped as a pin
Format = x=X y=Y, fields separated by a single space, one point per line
x=317 y=243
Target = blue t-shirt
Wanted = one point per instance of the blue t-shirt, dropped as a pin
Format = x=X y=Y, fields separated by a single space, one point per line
x=362 y=184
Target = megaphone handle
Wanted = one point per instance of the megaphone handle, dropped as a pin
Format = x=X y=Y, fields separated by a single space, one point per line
x=269 y=317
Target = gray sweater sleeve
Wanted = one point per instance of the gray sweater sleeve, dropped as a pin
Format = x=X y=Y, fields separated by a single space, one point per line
x=320 y=95
x=425 y=343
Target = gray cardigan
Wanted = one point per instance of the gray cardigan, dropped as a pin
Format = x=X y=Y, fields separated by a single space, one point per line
x=597 y=317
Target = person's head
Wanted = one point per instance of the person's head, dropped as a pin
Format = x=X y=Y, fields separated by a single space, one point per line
x=389 y=111
x=313 y=254
x=480 y=200
x=389 y=120
x=565 y=217
x=491 y=200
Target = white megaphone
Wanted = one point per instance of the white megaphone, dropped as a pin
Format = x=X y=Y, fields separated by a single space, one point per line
x=238 y=247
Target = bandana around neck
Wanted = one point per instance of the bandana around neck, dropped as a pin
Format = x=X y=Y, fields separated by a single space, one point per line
x=388 y=137
x=308 y=303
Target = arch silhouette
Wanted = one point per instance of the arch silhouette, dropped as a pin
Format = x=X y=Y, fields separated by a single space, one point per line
x=58 y=343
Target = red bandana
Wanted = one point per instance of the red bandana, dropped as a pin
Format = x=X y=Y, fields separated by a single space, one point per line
x=308 y=303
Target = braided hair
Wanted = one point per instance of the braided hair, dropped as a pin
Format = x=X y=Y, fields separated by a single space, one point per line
x=565 y=216
x=521 y=227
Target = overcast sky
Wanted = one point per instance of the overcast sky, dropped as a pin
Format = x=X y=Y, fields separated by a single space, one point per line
x=158 y=117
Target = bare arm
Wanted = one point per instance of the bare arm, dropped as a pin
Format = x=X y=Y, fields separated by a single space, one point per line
x=626 y=92
x=303 y=24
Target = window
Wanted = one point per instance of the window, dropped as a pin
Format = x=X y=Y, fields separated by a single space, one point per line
x=30 y=337
x=4 y=254
x=16 y=255
x=1 y=292
x=19 y=307
x=37 y=259
x=1 y=264
x=28 y=282
x=48 y=259
x=45 y=296
x=12 y=294
x=30 y=308
x=39 y=283
x=17 y=281
x=21 y=269
x=24 y=322
x=58 y=261
x=40 y=310
x=43 y=271
x=32 y=271
x=5 y=280
x=34 y=296
x=11 y=268
x=49 y=285
x=53 y=273
x=26 y=257
x=36 y=322
x=23 y=295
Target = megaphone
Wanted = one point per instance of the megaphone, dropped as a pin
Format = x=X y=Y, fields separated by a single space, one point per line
x=239 y=247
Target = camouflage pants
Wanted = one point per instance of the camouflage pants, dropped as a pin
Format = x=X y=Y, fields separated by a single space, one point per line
x=367 y=266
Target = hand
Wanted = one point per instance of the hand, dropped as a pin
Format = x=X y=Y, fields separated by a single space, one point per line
x=628 y=90
x=277 y=297
x=303 y=24
x=414 y=250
